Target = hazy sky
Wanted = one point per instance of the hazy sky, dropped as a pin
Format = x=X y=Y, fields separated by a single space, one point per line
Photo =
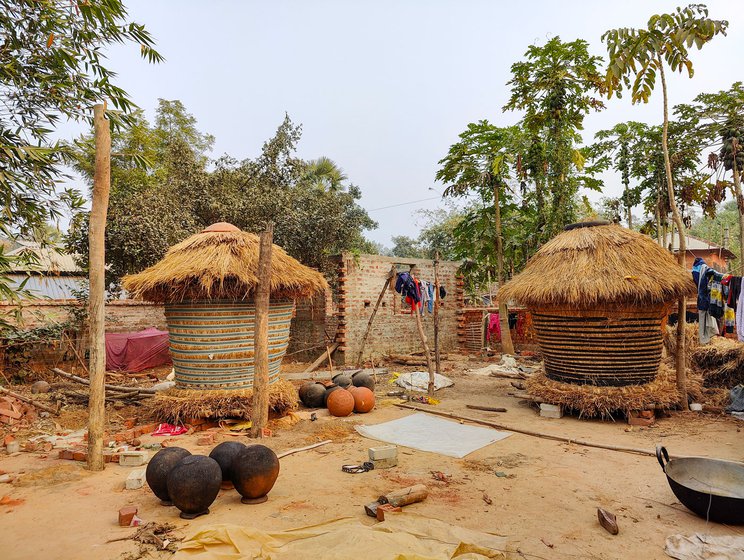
x=381 y=87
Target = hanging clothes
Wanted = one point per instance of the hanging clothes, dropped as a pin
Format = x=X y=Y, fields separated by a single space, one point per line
x=430 y=302
x=707 y=327
x=494 y=327
x=700 y=275
x=425 y=297
x=740 y=315
x=405 y=285
x=716 y=295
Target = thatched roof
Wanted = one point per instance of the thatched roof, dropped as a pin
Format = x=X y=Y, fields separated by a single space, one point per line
x=221 y=262
x=586 y=266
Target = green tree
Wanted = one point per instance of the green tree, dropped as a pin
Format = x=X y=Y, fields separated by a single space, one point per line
x=52 y=69
x=556 y=86
x=635 y=57
x=480 y=162
x=718 y=118
x=325 y=174
x=406 y=247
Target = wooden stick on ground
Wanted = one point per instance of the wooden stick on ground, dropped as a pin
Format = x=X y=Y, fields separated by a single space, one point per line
x=260 y=408
x=306 y=448
x=323 y=357
x=82 y=380
x=486 y=408
x=389 y=279
x=29 y=401
x=533 y=433
x=97 y=296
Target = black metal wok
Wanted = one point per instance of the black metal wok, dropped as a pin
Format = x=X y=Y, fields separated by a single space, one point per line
x=712 y=488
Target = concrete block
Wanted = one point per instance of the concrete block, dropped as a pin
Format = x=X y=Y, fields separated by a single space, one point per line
x=383 y=452
x=132 y=458
x=551 y=410
x=135 y=480
x=385 y=463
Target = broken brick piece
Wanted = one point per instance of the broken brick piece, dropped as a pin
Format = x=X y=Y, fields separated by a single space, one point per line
x=205 y=440
x=66 y=454
x=79 y=456
x=386 y=508
x=126 y=514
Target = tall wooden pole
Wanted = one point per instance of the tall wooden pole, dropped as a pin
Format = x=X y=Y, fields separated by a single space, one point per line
x=437 y=361
x=96 y=298
x=425 y=344
x=507 y=346
x=260 y=412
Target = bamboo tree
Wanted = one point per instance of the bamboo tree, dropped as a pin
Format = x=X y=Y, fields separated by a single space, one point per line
x=635 y=58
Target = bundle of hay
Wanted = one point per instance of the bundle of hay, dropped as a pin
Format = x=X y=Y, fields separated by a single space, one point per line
x=721 y=362
x=692 y=341
x=207 y=283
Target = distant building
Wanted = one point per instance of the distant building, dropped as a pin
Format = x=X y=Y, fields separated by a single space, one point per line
x=51 y=274
x=714 y=255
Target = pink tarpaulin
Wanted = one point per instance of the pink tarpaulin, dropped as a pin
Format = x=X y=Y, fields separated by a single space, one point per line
x=132 y=352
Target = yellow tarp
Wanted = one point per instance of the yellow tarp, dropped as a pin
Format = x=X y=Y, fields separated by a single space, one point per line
x=401 y=536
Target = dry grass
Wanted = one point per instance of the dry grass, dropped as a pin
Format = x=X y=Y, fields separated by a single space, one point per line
x=335 y=430
x=721 y=362
x=592 y=265
x=51 y=476
x=692 y=341
x=214 y=265
x=176 y=405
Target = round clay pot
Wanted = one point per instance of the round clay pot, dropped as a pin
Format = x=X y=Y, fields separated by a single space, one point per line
x=224 y=454
x=193 y=484
x=312 y=395
x=363 y=379
x=254 y=472
x=342 y=380
x=330 y=389
x=364 y=400
x=340 y=403
x=158 y=468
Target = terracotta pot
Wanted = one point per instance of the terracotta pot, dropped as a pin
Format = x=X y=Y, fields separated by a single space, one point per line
x=363 y=379
x=254 y=472
x=329 y=389
x=340 y=403
x=342 y=380
x=193 y=484
x=224 y=454
x=312 y=394
x=158 y=468
x=364 y=400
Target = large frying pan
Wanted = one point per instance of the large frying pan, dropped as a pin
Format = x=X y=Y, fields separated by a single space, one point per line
x=712 y=488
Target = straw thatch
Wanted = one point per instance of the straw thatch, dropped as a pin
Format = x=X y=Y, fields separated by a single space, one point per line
x=177 y=405
x=721 y=362
x=692 y=341
x=221 y=263
x=587 y=266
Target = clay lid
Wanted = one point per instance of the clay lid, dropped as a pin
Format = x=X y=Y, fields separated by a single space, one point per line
x=220 y=226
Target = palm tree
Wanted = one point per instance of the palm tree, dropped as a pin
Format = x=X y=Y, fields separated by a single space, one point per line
x=325 y=174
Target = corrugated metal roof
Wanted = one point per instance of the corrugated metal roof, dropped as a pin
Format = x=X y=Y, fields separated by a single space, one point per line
x=47 y=287
x=696 y=244
x=51 y=260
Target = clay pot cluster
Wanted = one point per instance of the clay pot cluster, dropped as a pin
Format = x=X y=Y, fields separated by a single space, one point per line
x=347 y=394
x=192 y=482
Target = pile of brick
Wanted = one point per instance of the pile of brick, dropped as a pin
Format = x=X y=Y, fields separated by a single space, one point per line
x=16 y=413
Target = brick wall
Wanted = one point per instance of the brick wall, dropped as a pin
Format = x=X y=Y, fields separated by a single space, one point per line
x=313 y=327
x=360 y=280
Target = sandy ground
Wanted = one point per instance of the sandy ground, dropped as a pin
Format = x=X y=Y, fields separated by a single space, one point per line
x=544 y=499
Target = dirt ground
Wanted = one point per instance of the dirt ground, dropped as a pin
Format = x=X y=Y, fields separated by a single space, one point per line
x=544 y=493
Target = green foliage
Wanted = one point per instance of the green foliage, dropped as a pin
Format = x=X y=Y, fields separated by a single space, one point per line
x=406 y=247
x=172 y=194
x=636 y=55
x=714 y=229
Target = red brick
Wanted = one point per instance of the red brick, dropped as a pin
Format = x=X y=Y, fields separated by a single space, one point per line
x=382 y=509
x=79 y=456
x=126 y=514
x=205 y=440
x=136 y=442
x=66 y=454
x=130 y=423
x=8 y=439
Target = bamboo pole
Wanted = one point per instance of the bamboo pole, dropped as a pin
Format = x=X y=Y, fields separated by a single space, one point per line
x=260 y=413
x=425 y=344
x=32 y=402
x=115 y=388
x=437 y=357
x=389 y=279
x=96 y=298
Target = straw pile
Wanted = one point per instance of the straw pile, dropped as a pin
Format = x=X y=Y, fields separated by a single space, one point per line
x=607 y=402
x=721 y=362
x=177 y=405
x=692 y=341
x=587 y=266
x=221 y=263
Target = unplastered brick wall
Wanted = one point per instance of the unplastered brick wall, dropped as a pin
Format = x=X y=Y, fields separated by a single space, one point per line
x=360 y=280
x=313 y=327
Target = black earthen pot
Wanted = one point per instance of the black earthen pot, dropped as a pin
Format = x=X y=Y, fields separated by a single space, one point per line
x=158 y=468
x=312 y=395
x=363 y=379
x=193 y=484
x=224 y=454
x=342 y=380
x=328 y=391
x=254 y=473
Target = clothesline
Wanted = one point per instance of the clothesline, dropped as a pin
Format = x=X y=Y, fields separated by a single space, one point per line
x=418 y=294
x=717 y=299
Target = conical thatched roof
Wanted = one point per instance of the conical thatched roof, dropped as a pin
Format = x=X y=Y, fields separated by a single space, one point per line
x=586 y=266
x=221 y=262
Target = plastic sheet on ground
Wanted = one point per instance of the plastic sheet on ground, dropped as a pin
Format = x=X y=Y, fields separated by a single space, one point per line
x=429 y=433
x=419 y=381
x=704 y=547
x=404 y=536
x=737 y=399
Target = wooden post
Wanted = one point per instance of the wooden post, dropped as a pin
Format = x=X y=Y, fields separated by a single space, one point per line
x=97 y=296
x=437 y=361
x=389 y=279
x=424 y=343
x=260 y=412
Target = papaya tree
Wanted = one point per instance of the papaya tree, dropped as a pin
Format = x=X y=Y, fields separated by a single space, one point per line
x=636 y=57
